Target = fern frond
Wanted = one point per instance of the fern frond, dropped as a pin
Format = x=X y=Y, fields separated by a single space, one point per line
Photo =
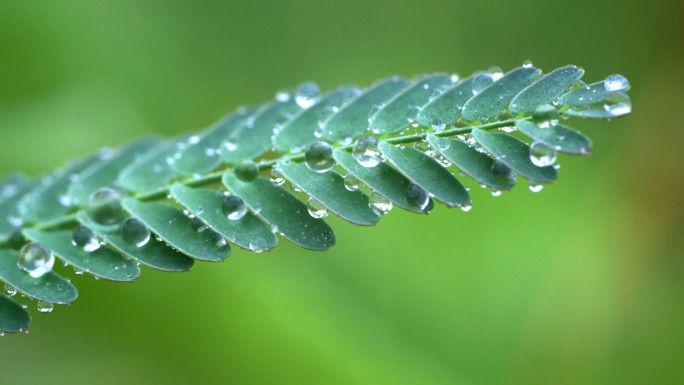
x=355 y=153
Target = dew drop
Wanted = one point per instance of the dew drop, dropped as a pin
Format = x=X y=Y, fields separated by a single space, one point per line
x=276 y=177
x=351 y=183
x=616 y=82
x=135 y=233
x=306 y=95
x=36 y=259
x=234 y=208
x=230 y=145
x=542 y=155
x=618 y=104
x=496 y=72
x=417 y=197
x=85 y=239
x=104 y=206
x=10 y=290
x=466 y=208
x=366 y=153
x=247 y=171
x=496 y=193
x=438 y=125
x=316 y=209
x=319 y=157
x=527 y=64
x=45 y=307
x=535 y=188
x=197 y=225
x=219 y=240
x=283 y=97
x=379 y=203
x=481 y=81
x=443 y=143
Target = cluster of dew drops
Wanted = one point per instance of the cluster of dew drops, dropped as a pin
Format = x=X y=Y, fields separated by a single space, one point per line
x=104 y=205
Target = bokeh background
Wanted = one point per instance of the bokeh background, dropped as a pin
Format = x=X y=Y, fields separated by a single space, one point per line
x=582 y=283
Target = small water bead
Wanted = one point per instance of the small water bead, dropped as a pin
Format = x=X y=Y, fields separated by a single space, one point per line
x=527 y=64
x=247 y=171
x=497 y=73
x=283 y=97
x=481 y=81
x=104 y=206
x=219 y=240
x=316 y=209
x=197 y=225
x=78 y=271
x=45 y=307
x=306 y=95
x=36 y=259
x=496 y=193
x=10 y=290
x=351 y=183
x=230 y=145
x=366 y=153
x=276 y=177
x=508 y=130
x=542 y=155
x=234 y=208
x=135 y=233
x=535 y=188
x=417 y=197
x=618 y=104
x=438 y=125
x=379 y=203
x=467 y=207
x=616 y=82
x=85 y=239
x=319 y=157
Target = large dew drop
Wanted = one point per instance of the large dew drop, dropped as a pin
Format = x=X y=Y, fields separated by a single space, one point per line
x=36 y=259
x=542 y=155
x=616 y=83
x=319 y=157
x=316 y=209
x=85 y=239
x=481 y=81
x=379 y=203
x=307 y=95
x=366 y=152
x=104 y=206
x=45 y=307
x=417 y=197
x=247 y=171
x=135 y=233
x=618 y=104
x=234 y=208
x=351 y=183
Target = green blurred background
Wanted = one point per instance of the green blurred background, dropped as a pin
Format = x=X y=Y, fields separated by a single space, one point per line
x=580 y=284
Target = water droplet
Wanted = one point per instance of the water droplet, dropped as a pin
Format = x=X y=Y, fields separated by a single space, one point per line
x=438 y=125
x=351 y=183
x=36 y=259
x=366 y=153
x=276 y=177
x=307 y=95
x=417 y=197
x=496 y=72
x=443 y=143
x=319 y=157
x=10 y=290
x=230 y=145
x=104 y=206
x=527 y=64
x=542 y=155
x=219 y=240
x=85 y=239
x=618 y=104
x=467 y=207
x=316 y=209
x=135 y=233
x=535 y=188
x=45 y=307
x=282 y=97
x=197 y=225
x=379 y=203
x=508 y=130
x=616 y=83
x=247 y=171
x=234 y=208
x=496 y=193
x=455 y=77
x=481 y=81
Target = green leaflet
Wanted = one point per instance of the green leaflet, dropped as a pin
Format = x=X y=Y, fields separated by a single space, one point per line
x=13 y=317
x=176 y=188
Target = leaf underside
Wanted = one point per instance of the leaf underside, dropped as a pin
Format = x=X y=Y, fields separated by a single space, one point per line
x=481 y=125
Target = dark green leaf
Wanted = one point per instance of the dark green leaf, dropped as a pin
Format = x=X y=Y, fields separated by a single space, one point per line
x=427 y=173
x=282 y=210
x=473 y=163
x=248 y=232
x=328 y=189
x=447 y=107
x=50 y=287
x=546 y=89
x=153 y=169
x=558 y=137
x=13 y=317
